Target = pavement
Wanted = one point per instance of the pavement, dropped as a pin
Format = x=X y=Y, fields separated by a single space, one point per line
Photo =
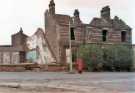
x=63 y=82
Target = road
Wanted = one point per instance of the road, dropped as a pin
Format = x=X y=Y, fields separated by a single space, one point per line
x=63 y=82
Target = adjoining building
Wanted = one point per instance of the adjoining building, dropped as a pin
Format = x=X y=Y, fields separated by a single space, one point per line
x=15 y=53
x=26 y=49
x=104 y=30
x=38 y=49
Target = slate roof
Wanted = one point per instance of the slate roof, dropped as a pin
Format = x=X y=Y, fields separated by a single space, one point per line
x=98 y=22
x=119 y=23
x=115 y=23
x=10 y=49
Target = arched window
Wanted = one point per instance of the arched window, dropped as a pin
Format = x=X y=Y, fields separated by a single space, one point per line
x=123 y=36
x=104 y=35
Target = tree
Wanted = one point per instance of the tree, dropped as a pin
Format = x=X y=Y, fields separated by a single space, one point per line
x=109 y=58
x=119 y=57
x=92 y=55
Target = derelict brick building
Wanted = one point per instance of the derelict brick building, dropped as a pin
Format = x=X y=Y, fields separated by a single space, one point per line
x=53 y=46
x=103 y=30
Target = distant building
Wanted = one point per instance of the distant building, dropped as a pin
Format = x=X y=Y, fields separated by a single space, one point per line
x=103 y=30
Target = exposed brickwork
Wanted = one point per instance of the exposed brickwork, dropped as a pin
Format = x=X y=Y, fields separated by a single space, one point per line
x=32 y=67
x=51 y=35
x=57 y=27
x=19 y=39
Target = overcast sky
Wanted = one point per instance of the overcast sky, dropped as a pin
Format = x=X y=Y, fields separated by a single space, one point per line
x=29 y=14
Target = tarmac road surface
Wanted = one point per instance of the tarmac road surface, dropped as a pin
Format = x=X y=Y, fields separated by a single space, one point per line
x=63 y=82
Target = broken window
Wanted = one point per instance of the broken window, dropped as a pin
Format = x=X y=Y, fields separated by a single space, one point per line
x=104 y=35
x=72 y=34
x=123 y=36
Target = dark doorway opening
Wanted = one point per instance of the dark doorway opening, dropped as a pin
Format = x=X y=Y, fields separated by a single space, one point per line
x=72 y=34
x=123 y=36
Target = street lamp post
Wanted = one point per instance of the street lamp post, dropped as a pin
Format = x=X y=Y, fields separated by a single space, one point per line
x=70 y=47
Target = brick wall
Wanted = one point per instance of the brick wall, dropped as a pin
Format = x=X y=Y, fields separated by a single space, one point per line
x=94 y=35
x=51 y=36
x=9 y=57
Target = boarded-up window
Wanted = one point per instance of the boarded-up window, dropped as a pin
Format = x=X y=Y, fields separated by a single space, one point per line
x=15 y=58
x=1 y=58
x=68 y=55
x=6 y=58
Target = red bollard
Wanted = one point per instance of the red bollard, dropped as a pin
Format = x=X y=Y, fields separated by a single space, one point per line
x=79 y=65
